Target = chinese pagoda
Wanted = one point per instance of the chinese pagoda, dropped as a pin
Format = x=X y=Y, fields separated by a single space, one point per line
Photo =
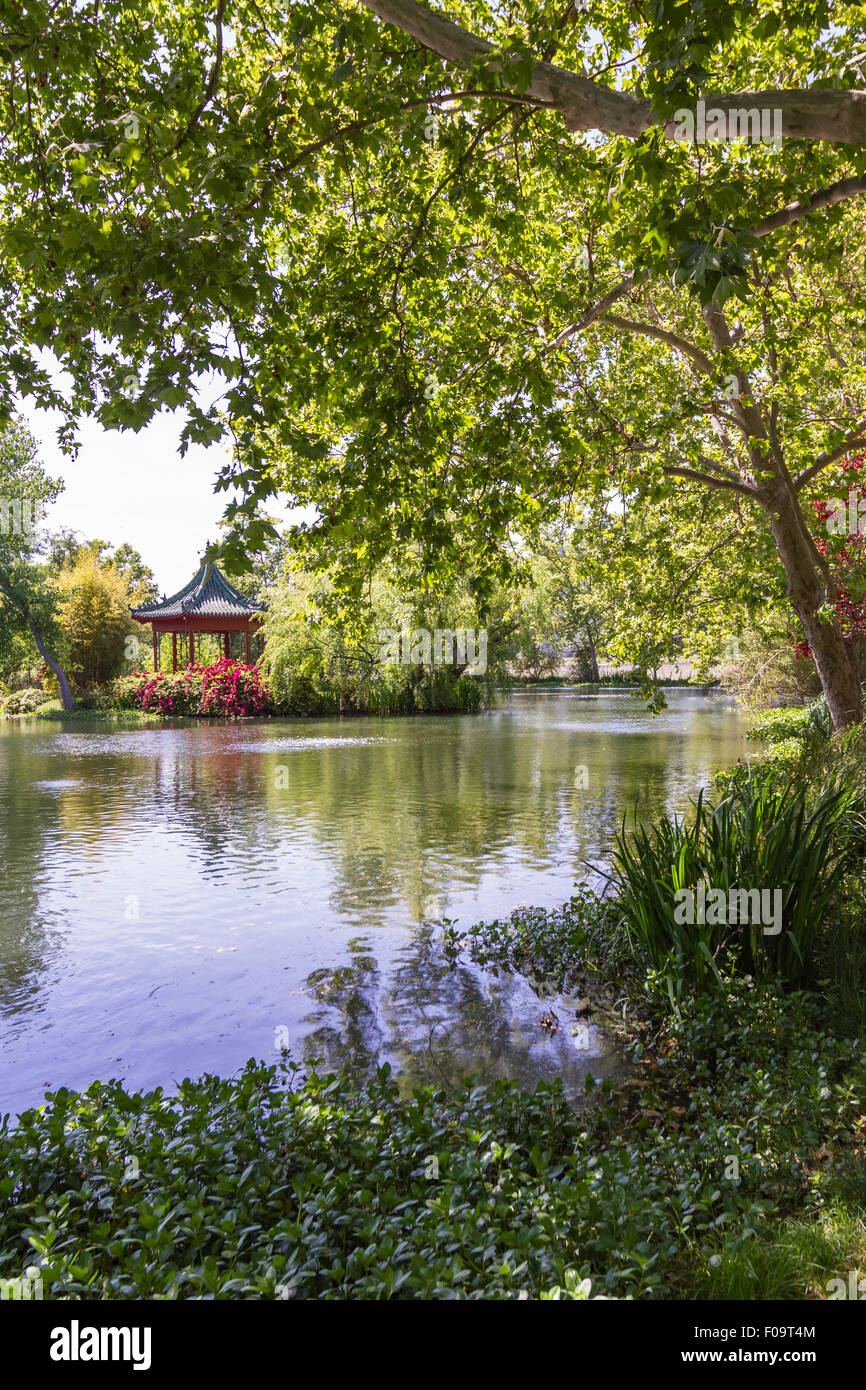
x=208 y=603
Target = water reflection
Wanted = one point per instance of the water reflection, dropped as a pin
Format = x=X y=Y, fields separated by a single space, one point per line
x=173 y=894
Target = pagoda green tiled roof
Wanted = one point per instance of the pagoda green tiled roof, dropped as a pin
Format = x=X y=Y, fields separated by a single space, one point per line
x=208 y=594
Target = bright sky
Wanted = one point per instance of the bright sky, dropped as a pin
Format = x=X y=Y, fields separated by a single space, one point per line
x=137 y=488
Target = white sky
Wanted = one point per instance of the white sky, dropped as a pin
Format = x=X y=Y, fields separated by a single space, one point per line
x=133 y=487
x=136 y=488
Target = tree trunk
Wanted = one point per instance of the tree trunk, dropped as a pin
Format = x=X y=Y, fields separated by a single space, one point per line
x=593 y=655
x=808 y=592
x=65 y=692
x=8 y=588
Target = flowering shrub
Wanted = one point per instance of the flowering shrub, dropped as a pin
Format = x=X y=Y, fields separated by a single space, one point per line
x=232 y=689
x=226 y=688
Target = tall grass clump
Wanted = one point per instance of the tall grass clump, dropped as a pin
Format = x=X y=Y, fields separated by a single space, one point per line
x=793 y=839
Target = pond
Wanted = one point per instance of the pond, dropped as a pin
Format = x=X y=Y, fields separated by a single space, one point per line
x=180 y=898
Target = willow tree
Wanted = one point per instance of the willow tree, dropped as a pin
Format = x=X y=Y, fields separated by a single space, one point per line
x=452 y=267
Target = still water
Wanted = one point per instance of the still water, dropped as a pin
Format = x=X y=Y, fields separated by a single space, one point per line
x=177 y=899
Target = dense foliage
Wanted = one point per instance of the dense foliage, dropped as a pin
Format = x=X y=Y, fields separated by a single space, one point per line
x=810 y=722
x=93 y=612
x=25 y=701
x=450 y=276
x=28 y=600
x=319 y=664
x=255 y=1188
x=234 y=690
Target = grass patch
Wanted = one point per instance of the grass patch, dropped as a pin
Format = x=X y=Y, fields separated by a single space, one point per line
x=798 y=1257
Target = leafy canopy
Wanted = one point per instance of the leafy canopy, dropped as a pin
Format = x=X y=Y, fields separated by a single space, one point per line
x=380 y=255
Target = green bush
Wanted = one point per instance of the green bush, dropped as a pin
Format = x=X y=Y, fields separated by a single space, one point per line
x=306 y=697
x=811 y=722
x=25 y=701
x=794 y=840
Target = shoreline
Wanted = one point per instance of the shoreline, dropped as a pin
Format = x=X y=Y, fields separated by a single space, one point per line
x=53 y=711
x=612 y=1175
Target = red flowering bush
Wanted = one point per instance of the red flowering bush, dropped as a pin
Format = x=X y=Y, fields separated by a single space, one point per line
x=232 y=689
x=227 y=688
x=842 y=544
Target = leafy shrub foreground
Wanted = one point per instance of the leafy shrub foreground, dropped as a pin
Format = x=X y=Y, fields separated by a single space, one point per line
x=24 y=701
x=797 y=840
x=247 y=1188
x=810 y=722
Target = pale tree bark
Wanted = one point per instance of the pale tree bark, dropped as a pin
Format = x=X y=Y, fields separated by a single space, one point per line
x=817 y=114
x=65 y=692
x=7 y=587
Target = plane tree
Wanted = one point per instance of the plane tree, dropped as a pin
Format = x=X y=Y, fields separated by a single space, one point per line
x=452 y=267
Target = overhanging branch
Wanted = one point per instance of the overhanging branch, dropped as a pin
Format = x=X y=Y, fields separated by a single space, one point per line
x=854 y=439
x=817 y=114
x=650 y=330
x=825 y=198
x=597 y=310
x=721 y=484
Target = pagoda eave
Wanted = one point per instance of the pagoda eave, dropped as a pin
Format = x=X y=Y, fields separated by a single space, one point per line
x=200 y=622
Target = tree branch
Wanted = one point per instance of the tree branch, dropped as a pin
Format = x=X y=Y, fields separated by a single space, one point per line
x=212 y=80
x=717 y=545
x=826 y=198
x=817 y=114
x=724 y=484
x=649 y=330
x=596 y=310
x=824 y=460
x=722 y=471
